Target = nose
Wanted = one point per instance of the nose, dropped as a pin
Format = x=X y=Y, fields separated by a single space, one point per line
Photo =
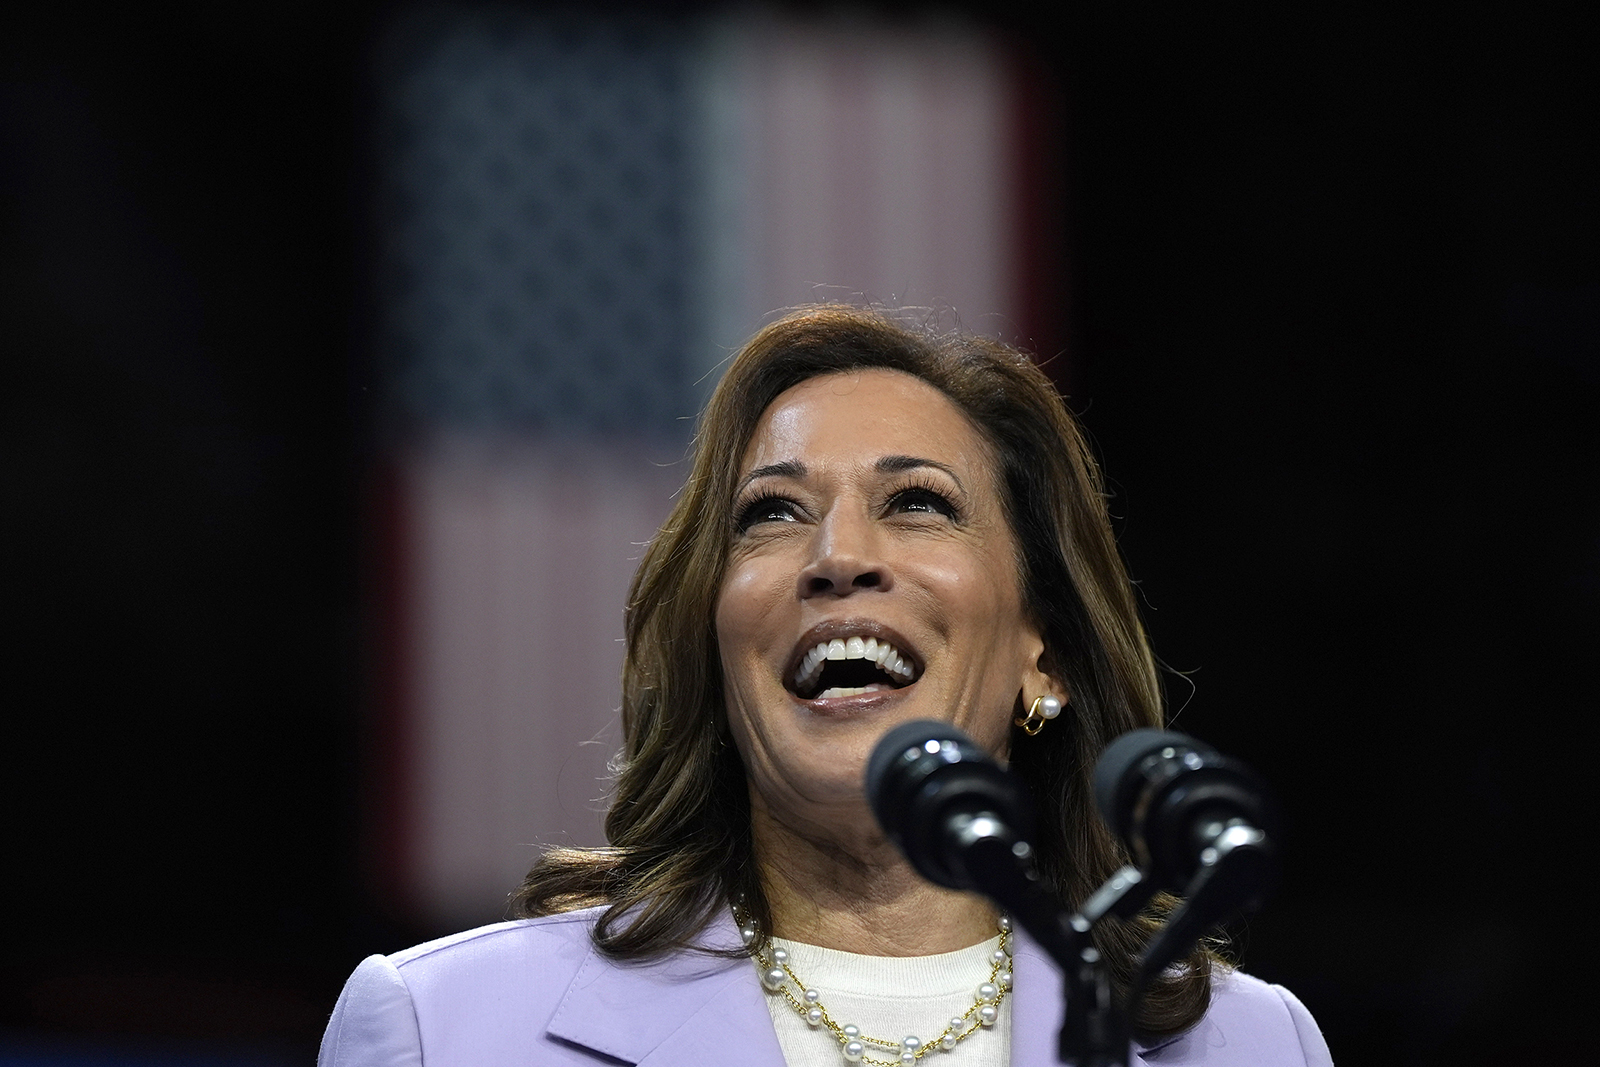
x=845 y=559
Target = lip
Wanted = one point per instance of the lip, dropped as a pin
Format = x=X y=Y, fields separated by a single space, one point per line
x=860 y=704
x=842 y=628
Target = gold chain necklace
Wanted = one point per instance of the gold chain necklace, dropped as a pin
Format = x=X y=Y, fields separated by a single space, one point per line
x=778 y=979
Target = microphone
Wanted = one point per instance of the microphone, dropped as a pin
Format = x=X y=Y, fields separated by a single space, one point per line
x=1179 y=805
x=1198 y=823
x=962 y=820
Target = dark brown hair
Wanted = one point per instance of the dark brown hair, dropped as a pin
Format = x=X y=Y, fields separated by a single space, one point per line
x=679 y=823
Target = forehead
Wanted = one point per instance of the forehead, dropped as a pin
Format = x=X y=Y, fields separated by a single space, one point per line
x=864 y=415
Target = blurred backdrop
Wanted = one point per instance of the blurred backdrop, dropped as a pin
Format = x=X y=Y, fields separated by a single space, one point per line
x=350 y=357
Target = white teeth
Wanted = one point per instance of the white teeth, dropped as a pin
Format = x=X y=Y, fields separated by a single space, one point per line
x=880 y=652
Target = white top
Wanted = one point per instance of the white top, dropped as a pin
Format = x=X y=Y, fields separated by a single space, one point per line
x=890 y=997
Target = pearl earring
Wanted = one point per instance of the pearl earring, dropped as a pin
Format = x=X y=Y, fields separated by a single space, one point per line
x=1044 y=708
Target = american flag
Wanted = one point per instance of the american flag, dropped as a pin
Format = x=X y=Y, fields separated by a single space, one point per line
x=581 y=219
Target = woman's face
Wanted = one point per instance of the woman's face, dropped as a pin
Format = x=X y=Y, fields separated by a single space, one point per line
x=872 y=580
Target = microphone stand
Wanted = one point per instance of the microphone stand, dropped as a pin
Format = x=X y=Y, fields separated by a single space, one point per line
x=1094 y=1032
x=1235 y=867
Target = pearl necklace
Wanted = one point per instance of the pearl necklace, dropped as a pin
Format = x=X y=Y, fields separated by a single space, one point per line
x=778 y=979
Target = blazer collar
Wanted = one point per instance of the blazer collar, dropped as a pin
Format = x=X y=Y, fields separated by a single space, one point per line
x=686 y=1008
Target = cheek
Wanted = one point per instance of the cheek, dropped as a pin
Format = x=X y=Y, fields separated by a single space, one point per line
x=978 y=589
x=740 y=605
x=748 y=614
x=996 y=601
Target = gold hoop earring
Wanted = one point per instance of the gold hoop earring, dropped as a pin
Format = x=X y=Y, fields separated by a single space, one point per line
x=1044 y=709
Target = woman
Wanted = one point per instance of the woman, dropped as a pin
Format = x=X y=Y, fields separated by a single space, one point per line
x=881 y=524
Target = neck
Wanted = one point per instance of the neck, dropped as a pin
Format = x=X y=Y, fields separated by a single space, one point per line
x=859 y=894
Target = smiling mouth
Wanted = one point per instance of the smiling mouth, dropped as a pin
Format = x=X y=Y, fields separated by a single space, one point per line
x=850 y=666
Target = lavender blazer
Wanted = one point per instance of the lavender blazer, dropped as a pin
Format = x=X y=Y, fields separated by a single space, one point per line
x=536 y=993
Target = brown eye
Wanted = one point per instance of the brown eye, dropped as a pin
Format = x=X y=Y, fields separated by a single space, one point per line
x=922 y=501
x=766 y=509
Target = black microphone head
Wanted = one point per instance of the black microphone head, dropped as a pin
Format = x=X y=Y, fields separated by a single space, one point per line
x=922 y=772
x=1116 y=773
x=1163 y=793
x=889 y=768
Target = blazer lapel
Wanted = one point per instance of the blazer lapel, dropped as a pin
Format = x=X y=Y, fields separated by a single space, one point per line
x=689 y=1008
x=1037 y=1007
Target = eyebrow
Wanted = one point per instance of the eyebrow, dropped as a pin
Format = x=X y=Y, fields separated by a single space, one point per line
x=793 y=468
x=789 y=468
x=897 y=464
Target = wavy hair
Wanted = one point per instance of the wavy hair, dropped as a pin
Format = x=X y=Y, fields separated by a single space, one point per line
x=679 y=822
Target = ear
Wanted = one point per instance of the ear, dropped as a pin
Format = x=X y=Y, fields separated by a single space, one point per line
x=1038 y=679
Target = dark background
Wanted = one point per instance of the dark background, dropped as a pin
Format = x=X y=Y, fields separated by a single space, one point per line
x=1330 y=295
